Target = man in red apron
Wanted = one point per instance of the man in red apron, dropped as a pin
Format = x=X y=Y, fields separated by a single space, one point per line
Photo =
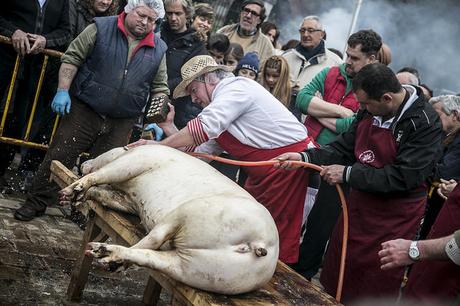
x=435 y=275
x=385 y=157
x=244 y=119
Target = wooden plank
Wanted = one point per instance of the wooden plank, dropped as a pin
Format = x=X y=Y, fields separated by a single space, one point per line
x=152 y=292
x=82 y=265
x=64 y=175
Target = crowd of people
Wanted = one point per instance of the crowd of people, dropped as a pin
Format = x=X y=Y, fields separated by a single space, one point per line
x=235 y=91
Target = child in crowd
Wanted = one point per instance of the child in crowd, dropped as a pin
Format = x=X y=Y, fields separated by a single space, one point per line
x=233 y=55
x=217 y=46
x=248 y=66
x=275 y=78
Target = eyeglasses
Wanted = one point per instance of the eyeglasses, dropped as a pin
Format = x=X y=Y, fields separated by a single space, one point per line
x=247 y=11
x=309 y=30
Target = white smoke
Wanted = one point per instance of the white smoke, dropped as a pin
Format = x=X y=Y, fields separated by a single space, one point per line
x=423 y=34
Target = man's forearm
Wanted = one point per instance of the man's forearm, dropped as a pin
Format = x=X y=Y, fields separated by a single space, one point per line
x=328 y=123
x=67 y=73
x=320 y=108
x=183 y=138
x=434 y=249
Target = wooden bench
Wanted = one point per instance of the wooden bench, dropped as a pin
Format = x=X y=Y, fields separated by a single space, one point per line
x=286 y=287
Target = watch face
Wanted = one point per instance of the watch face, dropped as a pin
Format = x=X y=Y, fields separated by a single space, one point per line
x=413 y=253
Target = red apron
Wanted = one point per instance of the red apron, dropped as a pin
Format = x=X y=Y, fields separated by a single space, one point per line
x=282 y=192
x=438 y=281
x=373 y=219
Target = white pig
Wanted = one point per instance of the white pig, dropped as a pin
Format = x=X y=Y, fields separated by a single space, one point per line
x=213 y=234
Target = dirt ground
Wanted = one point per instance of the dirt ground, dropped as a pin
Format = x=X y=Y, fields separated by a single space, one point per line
x=36 y=260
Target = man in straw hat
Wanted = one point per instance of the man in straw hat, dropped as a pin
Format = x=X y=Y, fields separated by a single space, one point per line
x=242 y=118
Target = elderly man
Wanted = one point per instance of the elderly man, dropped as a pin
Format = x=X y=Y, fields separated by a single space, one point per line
x=242 y=118
x=109 y=88
x=311 y=55
x=448 y=168
x=247 y=32
x=386 y=157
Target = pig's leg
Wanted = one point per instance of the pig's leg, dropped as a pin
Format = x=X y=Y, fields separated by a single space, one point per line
x=111 y=198
x=102 y=160
x=156 y=237
x=119 y=170
x=114 y=256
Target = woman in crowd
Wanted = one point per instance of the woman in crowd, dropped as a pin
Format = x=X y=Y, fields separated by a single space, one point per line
x=203 y=18
x=82 y=12
x=272 y=32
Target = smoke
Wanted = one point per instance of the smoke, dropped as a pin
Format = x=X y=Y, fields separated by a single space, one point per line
x=422 y=34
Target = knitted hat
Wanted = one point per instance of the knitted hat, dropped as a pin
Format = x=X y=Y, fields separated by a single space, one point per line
x=249 y=61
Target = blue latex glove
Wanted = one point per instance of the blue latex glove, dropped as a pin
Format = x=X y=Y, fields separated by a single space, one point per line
x=158 y=130
x=61 y=102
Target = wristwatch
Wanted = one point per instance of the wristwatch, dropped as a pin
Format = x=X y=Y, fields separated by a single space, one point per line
x=414 y=253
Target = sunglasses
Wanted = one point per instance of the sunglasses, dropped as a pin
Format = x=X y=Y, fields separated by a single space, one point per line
x=248 y=11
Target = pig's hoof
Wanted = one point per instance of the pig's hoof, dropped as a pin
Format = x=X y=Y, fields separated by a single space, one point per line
x=87 y=167
x=107 y=255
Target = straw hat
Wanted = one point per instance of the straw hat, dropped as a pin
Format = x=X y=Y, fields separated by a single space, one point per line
x=195 y=67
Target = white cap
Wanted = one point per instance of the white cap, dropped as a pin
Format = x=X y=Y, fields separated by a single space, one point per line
x=156 y=5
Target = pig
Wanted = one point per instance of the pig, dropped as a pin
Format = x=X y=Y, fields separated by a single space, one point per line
x=203 y=229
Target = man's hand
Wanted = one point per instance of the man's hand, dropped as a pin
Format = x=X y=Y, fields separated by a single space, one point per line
x=333 y=174
x=157 y=130
x=39 y=43
x=446 y=187
x=285 y=158
x=394 y=254
x=141 y=142
x=61 y=102
x=168 y=125
x=20 y=42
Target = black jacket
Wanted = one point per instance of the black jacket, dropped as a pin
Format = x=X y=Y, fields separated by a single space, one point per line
x=52 y=21
x=181 y=48
x=449 y=164
x=418 y=135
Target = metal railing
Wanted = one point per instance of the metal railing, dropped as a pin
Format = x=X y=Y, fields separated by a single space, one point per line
x=25 y=140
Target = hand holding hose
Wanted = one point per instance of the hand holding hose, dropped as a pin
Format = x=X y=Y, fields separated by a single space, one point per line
x=284 y=161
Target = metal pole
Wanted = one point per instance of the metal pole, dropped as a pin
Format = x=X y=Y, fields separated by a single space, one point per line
x=354 y=20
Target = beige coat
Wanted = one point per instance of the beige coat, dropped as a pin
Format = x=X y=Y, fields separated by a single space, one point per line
x=260 y=43
x=302 y=71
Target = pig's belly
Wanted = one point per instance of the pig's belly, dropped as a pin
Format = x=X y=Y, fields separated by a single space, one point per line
x=169 y=185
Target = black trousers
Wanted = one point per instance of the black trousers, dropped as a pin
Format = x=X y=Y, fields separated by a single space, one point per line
x=82 y=130
x=320 y=224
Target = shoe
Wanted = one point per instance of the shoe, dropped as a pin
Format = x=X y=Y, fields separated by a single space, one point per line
x=26 y=213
